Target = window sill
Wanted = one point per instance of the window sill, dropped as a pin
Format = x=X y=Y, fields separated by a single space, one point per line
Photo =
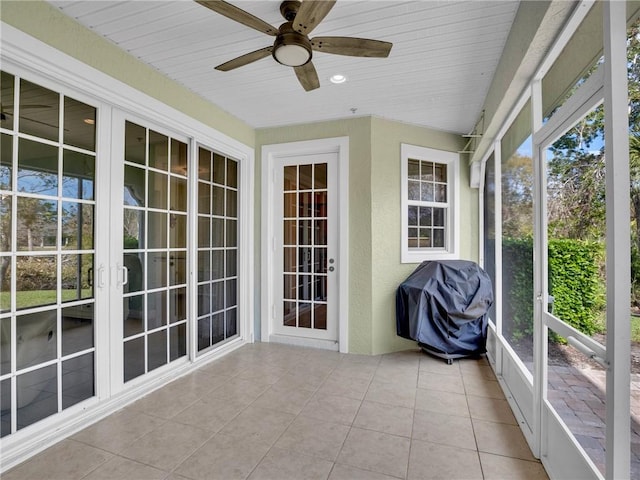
x=419 y=257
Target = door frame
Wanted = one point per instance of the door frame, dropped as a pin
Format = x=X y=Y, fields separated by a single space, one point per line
x=270 y=155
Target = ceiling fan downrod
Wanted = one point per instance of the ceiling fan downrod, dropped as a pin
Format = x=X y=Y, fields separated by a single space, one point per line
x=289 y=9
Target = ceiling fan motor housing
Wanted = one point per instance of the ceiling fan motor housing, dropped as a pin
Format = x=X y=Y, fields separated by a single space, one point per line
x=291 y=48
x=289 y=9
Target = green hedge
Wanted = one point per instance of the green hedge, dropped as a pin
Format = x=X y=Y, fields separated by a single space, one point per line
x=574 y=282
x=517 y=291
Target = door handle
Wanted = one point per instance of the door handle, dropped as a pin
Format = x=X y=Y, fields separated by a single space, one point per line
x=101 y=271
x=121 y=275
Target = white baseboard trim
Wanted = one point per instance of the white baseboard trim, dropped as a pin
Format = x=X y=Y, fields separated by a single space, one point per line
x=305 y=342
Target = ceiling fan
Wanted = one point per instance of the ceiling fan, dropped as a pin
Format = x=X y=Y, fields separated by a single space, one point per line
x=5 y=113
x=292 y=46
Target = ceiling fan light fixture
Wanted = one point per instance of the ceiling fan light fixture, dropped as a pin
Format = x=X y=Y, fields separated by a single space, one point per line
x=291 y=48
x=292 y=55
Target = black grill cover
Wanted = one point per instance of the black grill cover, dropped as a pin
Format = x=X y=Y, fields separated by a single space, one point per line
x=443 y=306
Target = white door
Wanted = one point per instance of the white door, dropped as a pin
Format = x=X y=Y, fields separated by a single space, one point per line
x=149 y=248
x=53 y=208
x=305 y=248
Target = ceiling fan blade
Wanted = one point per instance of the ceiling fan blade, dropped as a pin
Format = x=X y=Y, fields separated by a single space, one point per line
x=307 y=76
x=245 y=59
x=310 y=14
x=351 y=46
x=24 y=107
x=39 y=122
x=239 y=15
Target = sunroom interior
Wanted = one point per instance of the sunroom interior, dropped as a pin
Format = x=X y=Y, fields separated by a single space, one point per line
x=170 y=230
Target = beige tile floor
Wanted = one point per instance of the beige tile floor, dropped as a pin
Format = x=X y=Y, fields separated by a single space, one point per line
x=271 y=411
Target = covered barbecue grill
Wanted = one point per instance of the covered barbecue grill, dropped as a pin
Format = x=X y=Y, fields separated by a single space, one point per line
x=443 y=305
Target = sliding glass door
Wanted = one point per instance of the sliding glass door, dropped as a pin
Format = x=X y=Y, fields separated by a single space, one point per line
x=154 y=242
x=48 y=192
x=94 y=252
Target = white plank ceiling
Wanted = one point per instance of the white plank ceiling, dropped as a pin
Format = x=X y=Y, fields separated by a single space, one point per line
x=442 y=62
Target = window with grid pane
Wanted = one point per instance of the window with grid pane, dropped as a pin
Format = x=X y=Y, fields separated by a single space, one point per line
x=217 y=313
x=428 y=204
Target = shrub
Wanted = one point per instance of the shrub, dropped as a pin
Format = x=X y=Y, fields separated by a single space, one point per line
x=635 y=274
x=37 y=273
x=574 y=282
x=517 y=293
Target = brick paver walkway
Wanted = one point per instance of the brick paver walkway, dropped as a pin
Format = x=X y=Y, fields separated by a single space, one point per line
x=578 y=395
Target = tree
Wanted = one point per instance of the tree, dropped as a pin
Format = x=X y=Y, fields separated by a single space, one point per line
x=634 y=168
x=576 y=174
x=576 y=182
x=517 y=197
x=5 y=240
x=37 y=221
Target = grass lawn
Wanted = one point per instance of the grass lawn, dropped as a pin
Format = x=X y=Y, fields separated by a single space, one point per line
x=633 y=320
x=635 y=329
x=40 y=297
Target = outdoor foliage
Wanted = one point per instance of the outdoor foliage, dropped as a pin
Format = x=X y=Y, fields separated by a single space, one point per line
x=517 y=196
x=517 y=281
x=574 y=282
x=576 y=217
x=39 y=273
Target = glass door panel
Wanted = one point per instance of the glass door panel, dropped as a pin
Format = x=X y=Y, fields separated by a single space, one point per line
x=47 y=253
x=155 y=250
x=517 y=250
x=217 y=248
x=576 y=244
x=305 y=239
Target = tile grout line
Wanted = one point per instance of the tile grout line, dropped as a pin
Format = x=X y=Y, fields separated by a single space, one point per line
x=335 y=462
x=473 y=429
x=315 y=391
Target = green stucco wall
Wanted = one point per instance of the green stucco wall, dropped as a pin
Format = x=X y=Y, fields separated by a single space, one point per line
x=387 y=271
x=374 y=217
x=48 y=24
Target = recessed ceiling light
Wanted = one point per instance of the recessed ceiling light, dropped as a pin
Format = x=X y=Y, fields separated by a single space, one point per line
x=89 y=121
x=337 y=78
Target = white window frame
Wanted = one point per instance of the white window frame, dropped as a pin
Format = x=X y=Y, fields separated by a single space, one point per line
x=451 y=250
